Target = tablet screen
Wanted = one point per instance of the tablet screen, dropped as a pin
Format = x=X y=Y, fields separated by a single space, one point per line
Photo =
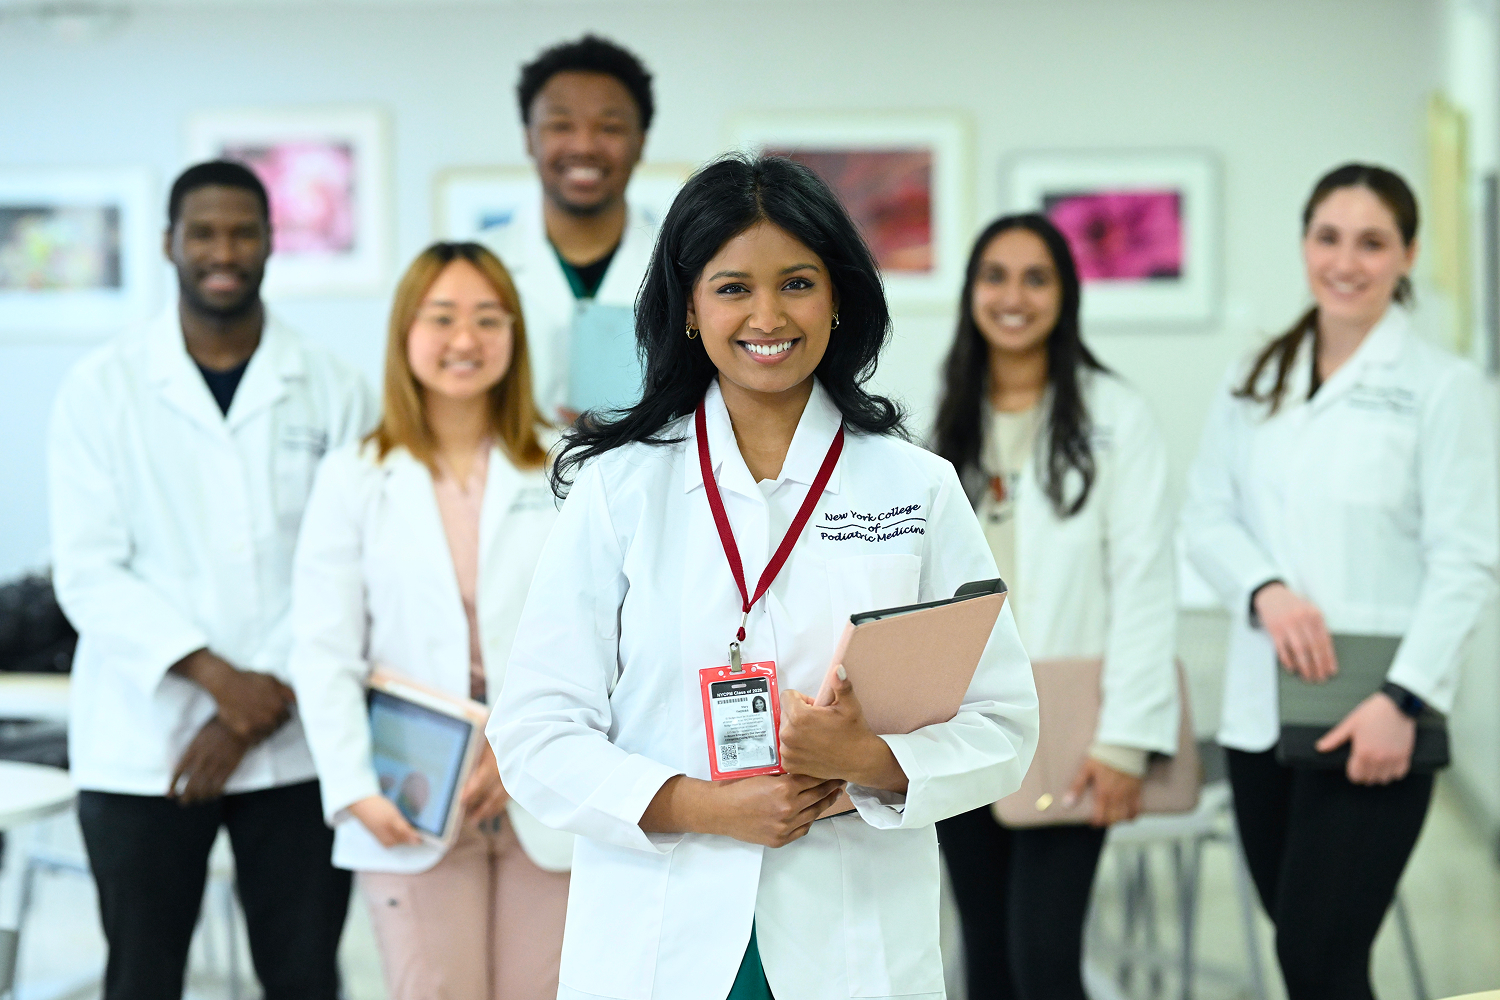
x=418 y=753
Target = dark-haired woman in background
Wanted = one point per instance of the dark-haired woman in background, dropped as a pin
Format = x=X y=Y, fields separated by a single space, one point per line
x=1067 y=471
x=1346 y=484
x=761 y=319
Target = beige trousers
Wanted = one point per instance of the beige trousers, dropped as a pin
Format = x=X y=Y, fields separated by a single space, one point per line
x=485 y=923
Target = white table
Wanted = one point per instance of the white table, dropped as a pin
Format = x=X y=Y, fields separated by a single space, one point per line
x=28 y=793
x=43 y=697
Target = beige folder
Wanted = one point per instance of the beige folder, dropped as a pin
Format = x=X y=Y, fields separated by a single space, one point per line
x=912 y=670
x=1068 y=697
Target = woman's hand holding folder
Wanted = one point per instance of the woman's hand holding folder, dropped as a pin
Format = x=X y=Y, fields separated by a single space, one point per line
x=829 y=738
x=384 y=821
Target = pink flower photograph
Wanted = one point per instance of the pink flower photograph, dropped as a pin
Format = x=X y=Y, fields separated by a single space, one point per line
x=1121 y=235
x=311 y=185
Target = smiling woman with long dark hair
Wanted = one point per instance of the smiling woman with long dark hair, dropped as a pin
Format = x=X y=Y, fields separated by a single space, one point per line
x=756 y=453
x=1067 y=471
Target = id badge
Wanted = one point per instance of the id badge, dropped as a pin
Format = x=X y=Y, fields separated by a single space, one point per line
x=742 y=718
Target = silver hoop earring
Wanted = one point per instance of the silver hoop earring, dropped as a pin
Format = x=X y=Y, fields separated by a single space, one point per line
x=835 y=325
x=691 y=333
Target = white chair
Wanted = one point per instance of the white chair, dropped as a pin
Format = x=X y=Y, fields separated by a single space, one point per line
x=218 y=921
x=1185 y=836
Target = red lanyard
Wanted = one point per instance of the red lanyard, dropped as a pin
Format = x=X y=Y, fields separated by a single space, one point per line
x=726 y=534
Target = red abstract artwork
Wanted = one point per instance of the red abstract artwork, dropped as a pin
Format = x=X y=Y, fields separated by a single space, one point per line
x=1121 y=235
x=888 y=192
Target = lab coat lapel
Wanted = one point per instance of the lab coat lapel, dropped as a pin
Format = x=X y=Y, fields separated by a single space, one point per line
x=729 y=466
x=177 y=377
x=1380 y=346
x=408 y=487
x=501 y=484
x=275 y=363
x=622 y=281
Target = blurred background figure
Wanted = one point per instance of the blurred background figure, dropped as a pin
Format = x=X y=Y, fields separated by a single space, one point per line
x=579 y=256
x=416 y=553
x=1063 y=462
x=1346 y=485
x=180 y=461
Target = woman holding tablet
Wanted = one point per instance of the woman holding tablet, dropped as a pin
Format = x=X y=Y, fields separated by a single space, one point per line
x=1068 y=473
x=760 y=322
x=1346 y=484
x=415 y=555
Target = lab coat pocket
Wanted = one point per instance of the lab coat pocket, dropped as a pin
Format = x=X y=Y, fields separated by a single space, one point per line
x=890 y=885
x=872 y=582
x=616 y=895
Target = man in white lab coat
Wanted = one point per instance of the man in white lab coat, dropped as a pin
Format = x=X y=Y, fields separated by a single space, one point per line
x=179 y=462
x=579 y=256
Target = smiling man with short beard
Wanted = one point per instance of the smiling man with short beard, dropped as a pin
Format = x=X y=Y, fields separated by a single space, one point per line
x=181 y=457
x=578 y=257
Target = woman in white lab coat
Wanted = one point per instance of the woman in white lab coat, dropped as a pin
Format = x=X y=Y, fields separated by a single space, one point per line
x=415 y=555
x=1346 y=483
x=760 y=321
x=1067 y=471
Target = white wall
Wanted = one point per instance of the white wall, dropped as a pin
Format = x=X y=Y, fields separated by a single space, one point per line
x=1280 y=90
x=1471 y=78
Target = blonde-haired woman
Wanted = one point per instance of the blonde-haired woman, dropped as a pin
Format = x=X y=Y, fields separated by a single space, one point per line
x=416 y=553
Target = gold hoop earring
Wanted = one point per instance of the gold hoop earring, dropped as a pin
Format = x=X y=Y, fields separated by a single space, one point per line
x=691 y=333
x=835 y=325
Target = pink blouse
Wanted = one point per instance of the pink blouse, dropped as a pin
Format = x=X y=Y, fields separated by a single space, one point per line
x=459 y=505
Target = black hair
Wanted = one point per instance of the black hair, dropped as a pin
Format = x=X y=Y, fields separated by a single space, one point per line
x=216 y=173
x=719 y=202
x=1396 y=195
x=966 y=373
x=589 y=54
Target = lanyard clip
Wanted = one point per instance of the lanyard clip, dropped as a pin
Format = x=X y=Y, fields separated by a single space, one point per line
x=736 y=665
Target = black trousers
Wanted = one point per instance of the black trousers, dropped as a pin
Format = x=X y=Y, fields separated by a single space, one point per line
x=1325 y=855
x=149 y=856
x=1023 y=896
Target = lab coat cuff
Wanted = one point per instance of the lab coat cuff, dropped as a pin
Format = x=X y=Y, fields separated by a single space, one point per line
x=885 y=810
x=156 y=658
x=1419 y=683
x=625 y=795
x=1126 y=760
x=341 y=792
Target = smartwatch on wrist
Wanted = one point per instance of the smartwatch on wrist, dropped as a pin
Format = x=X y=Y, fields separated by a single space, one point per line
x=1409 y=704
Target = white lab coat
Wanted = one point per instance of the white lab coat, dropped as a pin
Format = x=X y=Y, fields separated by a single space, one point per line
x=1377 y=500
x=373 y=584
x=546 y=299
x=601 y=706
x=173 y=528
x=1102 y=583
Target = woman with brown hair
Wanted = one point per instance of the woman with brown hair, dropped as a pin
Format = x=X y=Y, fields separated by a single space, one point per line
x=1345 y=493
x=416 y=552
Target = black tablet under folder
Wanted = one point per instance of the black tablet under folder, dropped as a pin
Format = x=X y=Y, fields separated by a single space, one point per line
x=1309 y=710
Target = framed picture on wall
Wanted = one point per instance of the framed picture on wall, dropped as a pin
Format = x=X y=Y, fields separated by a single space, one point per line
x=905 y=178
x=80 y=251
x=469 y=200
x=1143 y=226
x=327 y=171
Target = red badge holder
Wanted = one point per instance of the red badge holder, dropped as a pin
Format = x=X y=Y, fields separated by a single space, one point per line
x=726 y=688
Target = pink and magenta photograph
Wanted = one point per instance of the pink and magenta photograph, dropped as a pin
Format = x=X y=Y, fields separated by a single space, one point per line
x=312 y=191
x=1121 y=235
x=327 y=174
x=1143 y=227
x=889 y=194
